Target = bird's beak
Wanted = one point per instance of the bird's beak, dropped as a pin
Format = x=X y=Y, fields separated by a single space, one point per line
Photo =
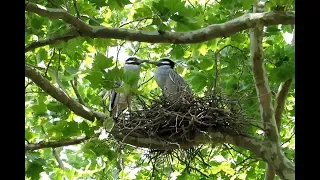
x=152 y=62
x=143 y=60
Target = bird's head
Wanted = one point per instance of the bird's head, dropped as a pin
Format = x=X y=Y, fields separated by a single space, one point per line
x=134 y=61
x=163 y=62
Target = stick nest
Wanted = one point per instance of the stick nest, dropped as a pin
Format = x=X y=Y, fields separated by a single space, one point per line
x=180 y=120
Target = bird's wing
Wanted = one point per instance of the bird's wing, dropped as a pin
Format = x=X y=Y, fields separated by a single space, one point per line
x=178 y=81
x=113 y=96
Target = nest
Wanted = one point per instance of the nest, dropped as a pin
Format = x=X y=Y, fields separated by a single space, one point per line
x=181 y=120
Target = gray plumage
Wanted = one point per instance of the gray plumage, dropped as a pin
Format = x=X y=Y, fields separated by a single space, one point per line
x=121 y=101
x=171 y=83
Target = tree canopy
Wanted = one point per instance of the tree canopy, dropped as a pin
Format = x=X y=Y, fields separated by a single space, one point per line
x=75 y=51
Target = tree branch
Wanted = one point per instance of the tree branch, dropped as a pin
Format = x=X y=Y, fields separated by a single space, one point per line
x=49 y=41
x=264 y=149
x=261 y=80
x=41 y=145
x=74 y=85
x=210 y=32
x=62 y=97
x=279 y=106
x=56 y=155
x=280 y=100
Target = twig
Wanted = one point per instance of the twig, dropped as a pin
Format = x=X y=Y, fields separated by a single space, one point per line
x=288 y=139
x=74 y=85
x=141 y=19
x=91 y=18
x=118 y=51
x=191 y=4
x=135 y=52
x=145 y=81
x=76 y=8
x=216 y=55
x=41 y=145
x=53 y=53
x=56 y=155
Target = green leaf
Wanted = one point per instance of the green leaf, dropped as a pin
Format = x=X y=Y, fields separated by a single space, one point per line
x=101 y=62
x=130 y=77
x=239 y=38
x=198 y=80
x=108 y=124
x=203 y=49
x=142 y=12
x=34 y=170
x=71 y=129
x=95 y=78
x=42 y=55
x=118 y=4
x=39 y=109
x=248 y=3
x=177 y=52
x=215 y=169
x=30 y=136
x=36 y=22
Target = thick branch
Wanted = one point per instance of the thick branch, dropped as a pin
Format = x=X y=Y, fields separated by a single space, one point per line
x=210 y=32
x=266 y=150
x=62 y=97
x=42 y=145
x=261 y=80
x=279 y=106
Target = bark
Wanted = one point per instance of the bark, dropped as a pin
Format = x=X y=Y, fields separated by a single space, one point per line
x=280 y=164
x=201 y=35
x=261 y=80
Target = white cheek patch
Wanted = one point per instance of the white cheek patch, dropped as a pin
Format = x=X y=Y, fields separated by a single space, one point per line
x=130 y=61
x=165 y=62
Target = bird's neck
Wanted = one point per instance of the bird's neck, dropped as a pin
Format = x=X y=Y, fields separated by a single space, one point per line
x=131 y=67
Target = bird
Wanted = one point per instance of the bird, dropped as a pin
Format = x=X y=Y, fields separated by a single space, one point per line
x=118 y=102
x=170 y=82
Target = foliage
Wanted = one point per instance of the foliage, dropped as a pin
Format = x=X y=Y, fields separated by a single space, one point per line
x=95 y=64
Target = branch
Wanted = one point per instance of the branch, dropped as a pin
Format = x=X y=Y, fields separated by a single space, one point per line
x=49 y=41
x=141 y=19
x=56 y=155
x=62 y=97
x=280 y=100
x=41 y=145
x=74 y=85
x=261 y=80
x=279 y=106
x=266 y=150
x=210 y=32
